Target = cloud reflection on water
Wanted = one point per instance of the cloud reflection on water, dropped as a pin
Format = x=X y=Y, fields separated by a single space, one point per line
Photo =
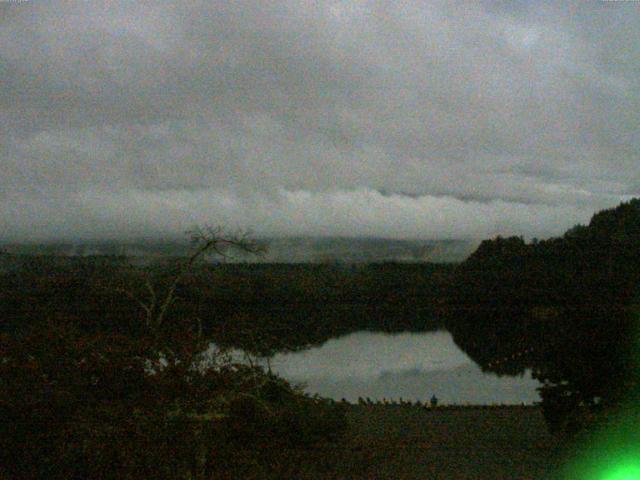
x=408 y=365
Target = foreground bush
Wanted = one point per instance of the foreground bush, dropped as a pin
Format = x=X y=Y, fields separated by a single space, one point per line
x=76 y=406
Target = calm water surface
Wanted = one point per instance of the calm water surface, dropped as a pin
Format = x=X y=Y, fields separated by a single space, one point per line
x=413 y=366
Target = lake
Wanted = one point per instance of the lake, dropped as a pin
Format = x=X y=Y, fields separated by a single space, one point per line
x=412 y=366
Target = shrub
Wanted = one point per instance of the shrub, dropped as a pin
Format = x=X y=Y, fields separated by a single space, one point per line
x=78 y=406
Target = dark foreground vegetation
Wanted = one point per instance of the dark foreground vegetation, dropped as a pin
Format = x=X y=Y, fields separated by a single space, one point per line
x=78 y=406
x=105 y=373
x=140 y=396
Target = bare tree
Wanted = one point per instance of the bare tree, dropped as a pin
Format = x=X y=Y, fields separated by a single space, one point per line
x=205 y=241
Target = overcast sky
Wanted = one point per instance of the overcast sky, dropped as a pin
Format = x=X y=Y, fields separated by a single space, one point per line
x=403 y=119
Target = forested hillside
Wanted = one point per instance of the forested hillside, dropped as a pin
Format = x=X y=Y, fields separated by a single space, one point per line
x=565 y=307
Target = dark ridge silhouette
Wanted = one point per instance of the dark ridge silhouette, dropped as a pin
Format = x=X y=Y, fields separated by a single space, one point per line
x=564 y=307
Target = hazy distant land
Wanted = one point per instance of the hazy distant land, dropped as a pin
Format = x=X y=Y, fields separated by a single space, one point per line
x=280 y=250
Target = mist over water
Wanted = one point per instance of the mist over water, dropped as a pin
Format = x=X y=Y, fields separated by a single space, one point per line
x=413 y=366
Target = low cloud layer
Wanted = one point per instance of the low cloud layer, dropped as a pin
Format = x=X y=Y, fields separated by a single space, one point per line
x=395 y=119
x=130 y=214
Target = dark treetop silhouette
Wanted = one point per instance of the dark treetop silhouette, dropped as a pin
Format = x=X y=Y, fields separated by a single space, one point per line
x=564 y=307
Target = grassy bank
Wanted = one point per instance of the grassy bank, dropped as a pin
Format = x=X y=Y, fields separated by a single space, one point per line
x=444 y=443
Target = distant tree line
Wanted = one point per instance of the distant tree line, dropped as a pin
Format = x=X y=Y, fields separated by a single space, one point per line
x=262 y=308
x=432 y=405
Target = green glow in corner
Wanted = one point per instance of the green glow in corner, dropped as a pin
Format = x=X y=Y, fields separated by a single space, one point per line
x=611 y=454
x=613 y=451
x=623 y=472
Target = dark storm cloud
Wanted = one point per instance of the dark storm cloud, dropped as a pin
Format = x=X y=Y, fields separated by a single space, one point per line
x=401 y=119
